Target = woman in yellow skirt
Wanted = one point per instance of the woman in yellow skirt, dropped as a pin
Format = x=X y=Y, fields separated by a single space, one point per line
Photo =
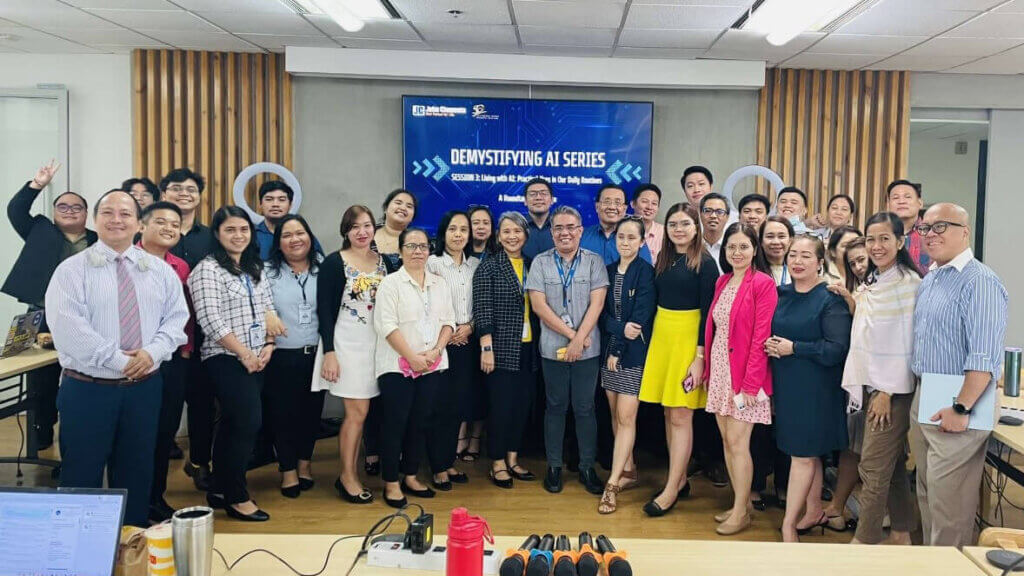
x=686 y=276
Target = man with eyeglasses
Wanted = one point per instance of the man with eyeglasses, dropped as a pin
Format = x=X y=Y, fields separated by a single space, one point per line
x=47 y=244
x=539 y=198
x=904 y=199
x=960 y=321
x=567 y=286
x=610 y=206
x=714 y=215
x=143 y=190
x=183 y=187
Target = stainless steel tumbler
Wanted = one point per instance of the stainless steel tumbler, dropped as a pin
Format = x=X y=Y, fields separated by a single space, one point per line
x=1011 y=372
x=192 y=531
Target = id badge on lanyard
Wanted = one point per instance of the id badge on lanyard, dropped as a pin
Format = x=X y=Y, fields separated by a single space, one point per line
x=256 y=332
x=305 y=308
x=566 y=280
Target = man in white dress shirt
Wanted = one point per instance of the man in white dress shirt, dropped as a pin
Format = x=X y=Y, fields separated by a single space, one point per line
x=115 y=313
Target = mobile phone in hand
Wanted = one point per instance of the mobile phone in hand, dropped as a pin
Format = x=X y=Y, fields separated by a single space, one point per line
x=688 y=384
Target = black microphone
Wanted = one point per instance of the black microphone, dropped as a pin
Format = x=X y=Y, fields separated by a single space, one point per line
x=541 y=557
x=588 y=564
x=565 y=564
x=615 y=561
x=515 y=562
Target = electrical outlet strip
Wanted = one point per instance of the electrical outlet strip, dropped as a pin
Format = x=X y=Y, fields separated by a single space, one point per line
x=393 y=555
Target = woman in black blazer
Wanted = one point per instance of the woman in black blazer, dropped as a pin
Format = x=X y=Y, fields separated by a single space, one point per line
x=626 y=322
x=501 y=312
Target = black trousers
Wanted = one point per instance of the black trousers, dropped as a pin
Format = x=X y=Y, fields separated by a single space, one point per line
x=42 y=385
x=238 y=394
x=405 y=405
x=768 y=460
x=294 y=410
x=371 y=428
x=707 y=439
x=453 y=388
x=172 y=401
x=200 y=399
x=511 y=396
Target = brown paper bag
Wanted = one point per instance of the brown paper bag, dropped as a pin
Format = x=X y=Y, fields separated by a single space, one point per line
x=132 y=554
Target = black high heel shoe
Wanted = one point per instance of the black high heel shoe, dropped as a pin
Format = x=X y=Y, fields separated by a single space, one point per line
x=364 y=497
x=501 y=483
x=257 y=516
x=425 y=493
x=306 y=483
x=821 y=523
x=291 y=491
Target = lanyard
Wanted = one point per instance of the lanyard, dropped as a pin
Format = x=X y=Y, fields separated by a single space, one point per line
x=302 y=284
x=784 y=276
x=252 y=305
x=566 y=278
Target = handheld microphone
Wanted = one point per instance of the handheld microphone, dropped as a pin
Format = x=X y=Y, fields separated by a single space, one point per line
x=565 y=558
x=614 y=561
x=541 y=557
x=515 y=561
x=589 y=563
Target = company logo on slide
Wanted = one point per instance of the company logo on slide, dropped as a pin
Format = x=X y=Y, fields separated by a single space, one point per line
x=480 y=113
x=419 y=110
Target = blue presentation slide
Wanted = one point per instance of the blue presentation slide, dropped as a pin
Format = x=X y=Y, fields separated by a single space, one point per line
x=464 y=151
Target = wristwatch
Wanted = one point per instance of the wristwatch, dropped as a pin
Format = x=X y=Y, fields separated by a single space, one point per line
x=486 y=348
x=960 y=408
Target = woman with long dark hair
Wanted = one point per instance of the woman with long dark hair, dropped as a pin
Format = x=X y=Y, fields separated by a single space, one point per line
x=346 y=292
x=835 y=248
x=293 y=408
x=231 y=302
x=773 y=238
x=457 y=392
x=674 y=369
x=399 y=210
x=881 y=351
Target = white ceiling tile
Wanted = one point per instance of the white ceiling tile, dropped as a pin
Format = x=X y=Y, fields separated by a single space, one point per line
x=920 y=63
x=904 y=18
x=201 y=40
x=682 y=17
x=670 y=53
x=378 y=44
x=577 y=51
x=820 y=61
x=975 y=5
x=123 y=4
x=863 y=44
x=499 y=35
x=473 y=11
x=28 y=40
x=481 y=48
x=1017 y=6
x=992 y=25
x=260 y=23
x=156 y=20
x=239 y=5
x=748 y=45
x=119 y=37
x=975 y=47
x=382 y=29
x=551 y=36
x=1009 y=62
x=39 y=13
x=655 y=38
x=568 y=13
x=276 y=43
x=741 y=3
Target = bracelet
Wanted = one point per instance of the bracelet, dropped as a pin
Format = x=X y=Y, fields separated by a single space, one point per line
x=268 y=344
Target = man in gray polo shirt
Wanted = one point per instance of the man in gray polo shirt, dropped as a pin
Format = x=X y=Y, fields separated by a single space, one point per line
x=567 y=286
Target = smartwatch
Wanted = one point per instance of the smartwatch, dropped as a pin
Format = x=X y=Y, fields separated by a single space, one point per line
x=486 y=348
x=960 y=408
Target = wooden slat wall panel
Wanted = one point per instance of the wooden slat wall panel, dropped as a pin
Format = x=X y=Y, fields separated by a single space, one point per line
x=835 y=132
x=213 y=112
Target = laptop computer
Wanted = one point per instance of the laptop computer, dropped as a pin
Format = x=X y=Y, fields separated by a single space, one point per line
x=60 y=531
x=21 y=336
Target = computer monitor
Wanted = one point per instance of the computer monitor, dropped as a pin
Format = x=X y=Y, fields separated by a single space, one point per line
x=60 y=532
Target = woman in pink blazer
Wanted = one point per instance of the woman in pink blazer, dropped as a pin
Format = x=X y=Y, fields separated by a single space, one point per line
x=736 y=367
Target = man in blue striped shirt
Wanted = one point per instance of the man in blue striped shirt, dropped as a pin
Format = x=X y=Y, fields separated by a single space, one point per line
x=959 y=326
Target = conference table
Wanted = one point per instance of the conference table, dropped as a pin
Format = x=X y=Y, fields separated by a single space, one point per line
x=15 y=400
x=977 y=555
x=647 y=557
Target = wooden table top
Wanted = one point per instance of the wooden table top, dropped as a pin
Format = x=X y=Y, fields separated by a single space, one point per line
x=977 y=555
x=26 y=361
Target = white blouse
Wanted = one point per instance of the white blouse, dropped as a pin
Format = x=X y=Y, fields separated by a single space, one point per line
x=419 y=314
x=459 y=279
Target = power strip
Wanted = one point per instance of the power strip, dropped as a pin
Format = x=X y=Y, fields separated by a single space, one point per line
x=392 y=555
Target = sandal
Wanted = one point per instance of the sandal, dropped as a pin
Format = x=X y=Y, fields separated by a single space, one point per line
x=609 y=501
x=471 y=455
x=519 y=472
x=630 y=479
x=460 y=453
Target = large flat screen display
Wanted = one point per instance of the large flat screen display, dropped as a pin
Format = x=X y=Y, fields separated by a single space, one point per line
x=464 y=151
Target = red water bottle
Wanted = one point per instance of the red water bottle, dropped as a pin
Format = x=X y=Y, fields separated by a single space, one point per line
x=466 y=534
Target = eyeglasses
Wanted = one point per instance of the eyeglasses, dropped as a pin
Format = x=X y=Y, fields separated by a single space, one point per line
x=537 y=193
x=416 y=247
x=714 y=212
x=939 y=227
x=612 y=203
x=570 y=228
x=70 y=208
x=178 y=188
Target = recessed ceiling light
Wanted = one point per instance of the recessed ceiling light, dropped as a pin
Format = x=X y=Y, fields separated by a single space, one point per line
x=782 y=20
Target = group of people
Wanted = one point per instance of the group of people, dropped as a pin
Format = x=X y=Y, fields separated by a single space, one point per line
x=771 y=339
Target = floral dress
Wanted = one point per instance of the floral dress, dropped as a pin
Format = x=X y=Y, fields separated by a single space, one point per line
x=720 y=394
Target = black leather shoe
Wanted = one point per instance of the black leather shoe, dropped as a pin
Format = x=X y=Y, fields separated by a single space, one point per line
x=364 y=497
x=371 y=468
x=291 y=491
x=501 y=482
x=717 y=474
x=590 y=481
x=525 y=475
x=44 y=437
x=442 y=486
x=160 y=511
x=553 y=480
x=460 y=478
x=654 y=511
x=425 y=493
x=306 y=483
x=175 y=453
x=200 y=475
x=400 y=503
x=684 y=492
x=257 y=516
x=215 y=501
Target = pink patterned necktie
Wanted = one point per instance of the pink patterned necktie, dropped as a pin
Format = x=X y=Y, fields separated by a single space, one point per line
x=128 y=308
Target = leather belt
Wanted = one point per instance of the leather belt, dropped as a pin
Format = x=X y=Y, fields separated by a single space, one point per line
x=108 y=381
x=304 y=350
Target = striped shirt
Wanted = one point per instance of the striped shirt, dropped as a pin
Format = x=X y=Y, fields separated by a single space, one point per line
x=459 y=280
x=82 y=310
x=960 y=319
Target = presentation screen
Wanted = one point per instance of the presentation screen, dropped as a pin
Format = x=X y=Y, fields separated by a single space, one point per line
x=464 y=151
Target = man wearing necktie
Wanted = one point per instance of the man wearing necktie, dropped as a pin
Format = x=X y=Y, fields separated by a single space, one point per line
x=116 y=314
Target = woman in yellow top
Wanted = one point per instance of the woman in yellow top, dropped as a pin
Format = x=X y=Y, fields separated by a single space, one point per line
x=685 y=280
x=501 y=314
